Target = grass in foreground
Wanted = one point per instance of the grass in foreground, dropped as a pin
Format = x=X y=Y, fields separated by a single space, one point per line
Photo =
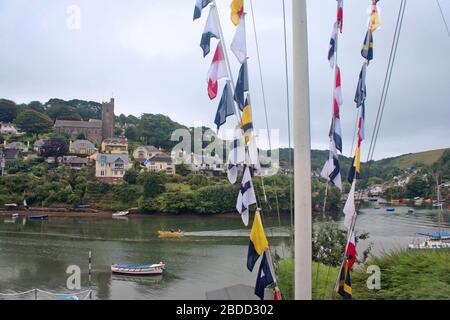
x=322 y=285
x=405 y=275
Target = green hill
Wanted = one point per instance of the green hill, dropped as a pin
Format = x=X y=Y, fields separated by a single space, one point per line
x=410 y=160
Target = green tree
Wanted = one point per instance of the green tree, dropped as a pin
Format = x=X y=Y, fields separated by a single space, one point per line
x=417 y=187
x=63 y=112
x=81 y=136
x=33 y=122
x=131 y=176
x=8 y=110
x=131 y=133
x=36 y=106
x=182 y=169
x=153 y=183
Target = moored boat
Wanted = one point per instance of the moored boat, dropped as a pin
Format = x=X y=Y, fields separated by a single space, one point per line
x=138 y=270
x=390 y=209
x=121 y=214
x=43 y=217
x=171 y=234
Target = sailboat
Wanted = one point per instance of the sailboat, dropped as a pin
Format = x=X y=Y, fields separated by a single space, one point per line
x=438 y=240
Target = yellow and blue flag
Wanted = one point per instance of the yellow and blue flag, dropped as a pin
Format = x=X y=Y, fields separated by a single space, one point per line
x=258 y=242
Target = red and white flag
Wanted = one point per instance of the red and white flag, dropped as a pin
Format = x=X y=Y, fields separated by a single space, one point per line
x=340 y=14
x=351 y=251
x=217 y=71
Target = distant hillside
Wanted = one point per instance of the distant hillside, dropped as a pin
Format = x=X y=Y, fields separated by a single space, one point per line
x=385 y=168
x=413 y=159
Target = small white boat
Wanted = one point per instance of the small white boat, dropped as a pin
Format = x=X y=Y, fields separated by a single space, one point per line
x=121 y=214
x=15 y=215
x=139 y=270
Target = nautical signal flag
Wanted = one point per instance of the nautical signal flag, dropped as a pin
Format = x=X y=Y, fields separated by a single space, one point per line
x=211 y=31
x=350 y=208
x=239 y=43
x=345 y=284
x=375 y=22
x=218 y=70
x=226 y=107
x=246 y=196
x=336 y=131
x=333 y=46
x=237 y=10
x=199 y=5
x=265 y=277
x=351 y=251
x=258 y=242
x=340 y=14
x=241 y=86
x=246 y=120
x=355 y=169
x=367 y=47
x=361 y=90
x=332 y=168
x=236 y=155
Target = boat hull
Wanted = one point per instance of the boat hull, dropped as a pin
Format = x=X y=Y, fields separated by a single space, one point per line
x=38 y=218
x=150 y=270
x=167 y=234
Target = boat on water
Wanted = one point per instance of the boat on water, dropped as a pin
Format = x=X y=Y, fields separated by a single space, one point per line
x=121 y=214
x=138 y=270
x=437 y=240
x=33 y=218
x=411 y=211
x=15 y=215
x=390 y=209
x=434 y=241
x=171 y=234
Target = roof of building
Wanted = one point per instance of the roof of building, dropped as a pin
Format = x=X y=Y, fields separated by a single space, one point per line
x=95 y=124
x=150 y=148
x=12 y=154
x=110 y=158
x=82 y=144
x=115 y=141
x=161 y=158
x=77 y=160
x=16 y=145
x=39 y=143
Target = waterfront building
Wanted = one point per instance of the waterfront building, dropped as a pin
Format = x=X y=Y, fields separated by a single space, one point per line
x=111 y=168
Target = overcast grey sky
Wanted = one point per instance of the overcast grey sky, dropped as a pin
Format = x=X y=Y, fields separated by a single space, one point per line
x=147 y=54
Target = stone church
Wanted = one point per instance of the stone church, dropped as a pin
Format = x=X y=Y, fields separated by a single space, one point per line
x=95 y=130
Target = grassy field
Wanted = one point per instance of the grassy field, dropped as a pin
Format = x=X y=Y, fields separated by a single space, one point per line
x=427 y=158
x=404 y=276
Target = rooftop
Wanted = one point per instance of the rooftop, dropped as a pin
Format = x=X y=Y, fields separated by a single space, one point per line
x=97 y=124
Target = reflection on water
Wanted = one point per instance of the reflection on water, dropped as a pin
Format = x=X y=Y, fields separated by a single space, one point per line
x=211 y=256
x=37 y=254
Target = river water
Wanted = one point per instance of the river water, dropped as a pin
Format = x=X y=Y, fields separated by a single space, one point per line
x=211 y=256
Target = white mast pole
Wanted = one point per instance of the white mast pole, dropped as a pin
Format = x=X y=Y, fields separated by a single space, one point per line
x=302 y=154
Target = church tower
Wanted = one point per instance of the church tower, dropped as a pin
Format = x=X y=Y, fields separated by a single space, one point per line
x=108 y=119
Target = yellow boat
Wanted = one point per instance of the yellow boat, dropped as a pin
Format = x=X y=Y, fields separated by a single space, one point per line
x=171 y=234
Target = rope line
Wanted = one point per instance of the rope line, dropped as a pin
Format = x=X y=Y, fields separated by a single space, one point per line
x=443 y=18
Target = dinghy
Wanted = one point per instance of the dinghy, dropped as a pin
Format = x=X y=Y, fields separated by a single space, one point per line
x=171 y=234
x=138 y=270
x=44 y=217
x=121 y=214
x=390 y=209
